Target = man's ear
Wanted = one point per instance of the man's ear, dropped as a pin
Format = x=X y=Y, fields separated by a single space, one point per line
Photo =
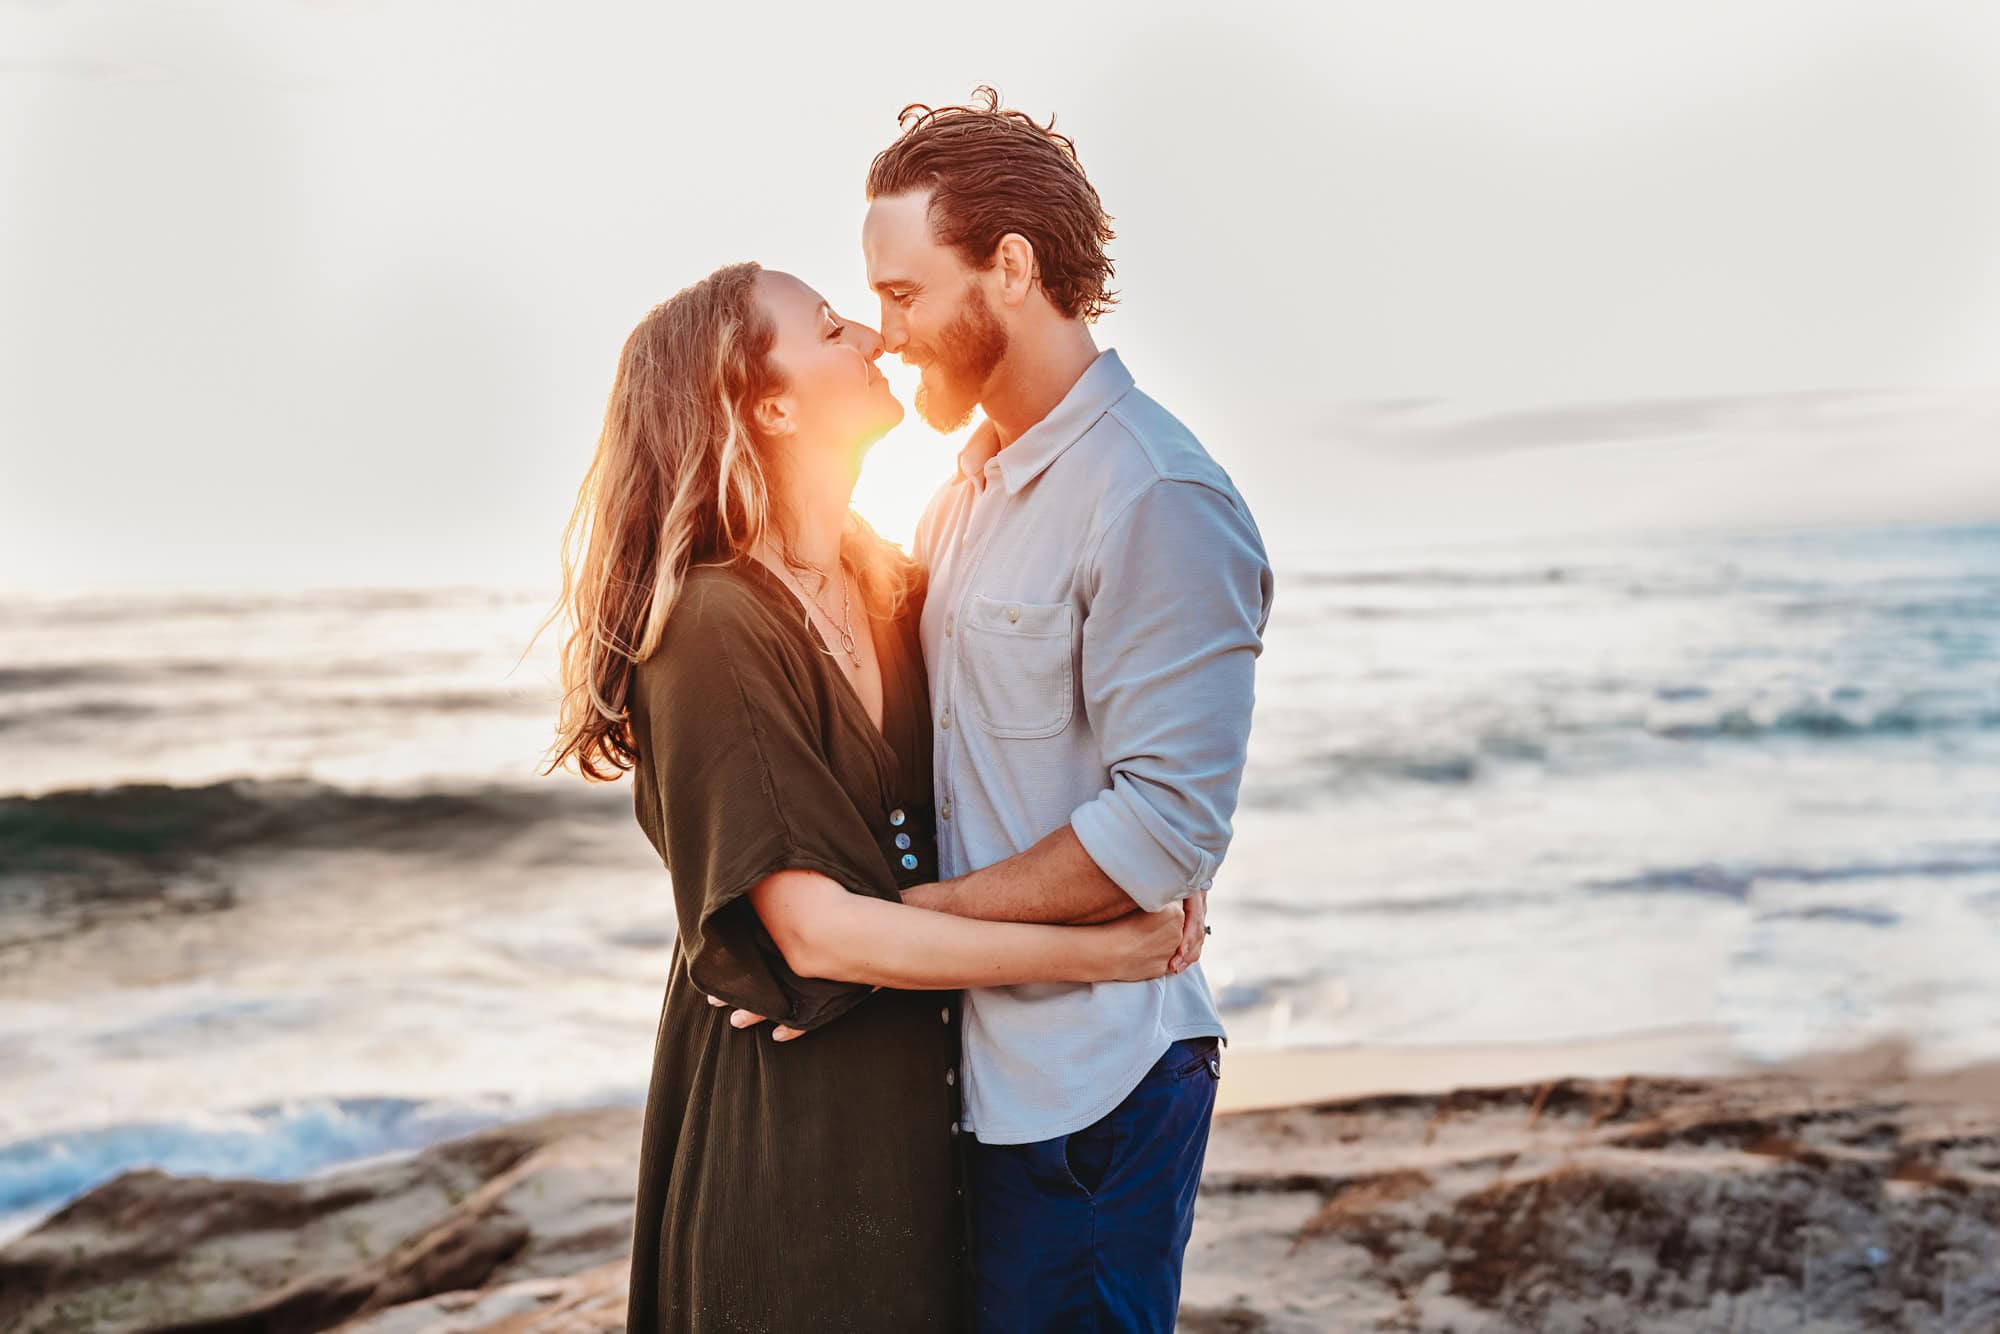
x=772 y=416
x=1014 y=257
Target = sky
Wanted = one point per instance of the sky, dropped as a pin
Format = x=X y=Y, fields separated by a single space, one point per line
x=332 y=293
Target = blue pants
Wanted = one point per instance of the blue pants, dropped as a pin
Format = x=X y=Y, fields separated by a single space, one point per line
x=1085 y=1232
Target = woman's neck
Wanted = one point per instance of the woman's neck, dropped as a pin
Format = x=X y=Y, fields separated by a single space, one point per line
x=810 y=514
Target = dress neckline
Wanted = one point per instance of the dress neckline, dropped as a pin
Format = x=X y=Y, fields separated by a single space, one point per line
x=884 y=654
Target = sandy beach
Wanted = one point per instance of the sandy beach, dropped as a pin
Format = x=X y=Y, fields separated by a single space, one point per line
x=1847 y=1193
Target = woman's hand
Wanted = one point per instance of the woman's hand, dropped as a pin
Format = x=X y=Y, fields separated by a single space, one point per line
x=1140 y=946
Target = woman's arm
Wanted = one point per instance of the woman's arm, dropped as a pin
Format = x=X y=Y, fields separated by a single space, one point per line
x=824 y=931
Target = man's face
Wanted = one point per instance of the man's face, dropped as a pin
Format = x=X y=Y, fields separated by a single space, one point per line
x=935 y=310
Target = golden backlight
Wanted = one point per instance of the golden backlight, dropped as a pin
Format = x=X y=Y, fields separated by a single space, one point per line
x=906 y=468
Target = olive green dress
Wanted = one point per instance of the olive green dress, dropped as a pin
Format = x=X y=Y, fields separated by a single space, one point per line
x=811 y=1184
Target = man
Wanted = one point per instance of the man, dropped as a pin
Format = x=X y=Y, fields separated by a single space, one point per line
x=1098 y=595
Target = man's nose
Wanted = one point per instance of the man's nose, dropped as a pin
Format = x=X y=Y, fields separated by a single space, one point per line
x=892 y=336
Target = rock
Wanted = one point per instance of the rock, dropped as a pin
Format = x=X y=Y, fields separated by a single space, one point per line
x=536 y=1199
x=1752 y=1203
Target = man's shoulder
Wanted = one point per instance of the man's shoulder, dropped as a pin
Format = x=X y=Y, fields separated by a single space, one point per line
x=1138 y=444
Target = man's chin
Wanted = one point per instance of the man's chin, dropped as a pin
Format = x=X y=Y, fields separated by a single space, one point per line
x=945 y=413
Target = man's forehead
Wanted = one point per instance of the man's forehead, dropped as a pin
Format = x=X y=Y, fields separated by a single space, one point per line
x=900 y=221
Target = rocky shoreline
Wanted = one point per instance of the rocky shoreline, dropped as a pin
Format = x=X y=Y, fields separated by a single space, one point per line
x=1756 y=1202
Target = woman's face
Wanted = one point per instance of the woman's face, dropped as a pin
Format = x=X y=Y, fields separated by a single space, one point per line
x=834 y=399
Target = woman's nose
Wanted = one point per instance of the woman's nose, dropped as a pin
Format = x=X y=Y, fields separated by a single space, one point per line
x=870 y=341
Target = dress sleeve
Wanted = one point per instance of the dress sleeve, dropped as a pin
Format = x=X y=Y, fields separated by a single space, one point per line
x=734 y=727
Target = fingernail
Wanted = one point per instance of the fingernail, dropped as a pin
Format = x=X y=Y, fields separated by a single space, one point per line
x=784 y=1035
x=716 y=1003
x=741 y=1019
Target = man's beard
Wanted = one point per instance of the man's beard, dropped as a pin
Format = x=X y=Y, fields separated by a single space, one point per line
x=962 y=359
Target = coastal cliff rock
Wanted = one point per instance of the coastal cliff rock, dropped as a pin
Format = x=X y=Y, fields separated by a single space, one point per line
x=1755 y=1203
x=149 y=1251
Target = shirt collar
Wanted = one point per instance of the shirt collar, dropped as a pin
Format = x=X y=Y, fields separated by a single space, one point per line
x=1101 y=385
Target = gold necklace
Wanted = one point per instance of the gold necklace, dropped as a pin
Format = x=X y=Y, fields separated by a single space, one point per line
x=846 y=626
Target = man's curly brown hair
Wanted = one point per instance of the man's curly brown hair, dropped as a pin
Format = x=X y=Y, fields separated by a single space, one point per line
x=993 y=170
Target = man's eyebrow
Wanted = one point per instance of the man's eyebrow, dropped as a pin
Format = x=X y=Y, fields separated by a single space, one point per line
x=882 y=284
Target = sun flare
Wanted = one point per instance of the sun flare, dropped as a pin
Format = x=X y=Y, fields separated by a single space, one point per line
x=906 y=468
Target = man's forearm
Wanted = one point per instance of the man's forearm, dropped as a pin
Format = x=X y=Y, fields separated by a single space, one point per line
x=1054 y=881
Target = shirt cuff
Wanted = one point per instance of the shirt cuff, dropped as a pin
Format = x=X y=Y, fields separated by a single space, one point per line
x=1133 y=845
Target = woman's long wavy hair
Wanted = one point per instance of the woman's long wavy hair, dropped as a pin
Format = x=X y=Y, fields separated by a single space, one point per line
x=680 y=478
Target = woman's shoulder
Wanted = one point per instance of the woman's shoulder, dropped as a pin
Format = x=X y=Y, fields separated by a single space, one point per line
x=712 y=596
x=721 y=615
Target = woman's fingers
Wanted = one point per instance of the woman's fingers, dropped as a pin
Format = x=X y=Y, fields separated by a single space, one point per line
x=750 y=1019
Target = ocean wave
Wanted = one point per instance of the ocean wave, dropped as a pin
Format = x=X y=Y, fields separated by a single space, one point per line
x=135 y=838
x=1737 y=882
x=26 y=678
x=1440 y=577
x=1823 y=722
x=277 y=1141
x=105 y=609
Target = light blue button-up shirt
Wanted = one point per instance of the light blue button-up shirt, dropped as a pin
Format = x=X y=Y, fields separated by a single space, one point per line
x=1098 y=597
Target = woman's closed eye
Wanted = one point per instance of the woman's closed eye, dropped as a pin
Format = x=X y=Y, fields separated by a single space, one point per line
x=834 y=329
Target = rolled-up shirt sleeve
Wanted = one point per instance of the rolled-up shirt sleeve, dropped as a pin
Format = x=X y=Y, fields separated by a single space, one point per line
x=1180 y=593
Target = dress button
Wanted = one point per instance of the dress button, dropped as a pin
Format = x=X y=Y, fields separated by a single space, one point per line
x=896 y=817
x=909 y=861
x=951 y=1076
x=954 y=1130
x=902 y=840
x=944 y=720
x=944 y=1015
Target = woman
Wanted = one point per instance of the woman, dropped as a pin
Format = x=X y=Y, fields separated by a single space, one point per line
x=748 y=648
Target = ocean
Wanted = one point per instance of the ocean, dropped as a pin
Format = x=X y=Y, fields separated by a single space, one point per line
x=280 y=887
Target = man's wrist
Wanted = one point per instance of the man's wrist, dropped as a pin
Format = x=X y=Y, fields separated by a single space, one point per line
x=934 y=897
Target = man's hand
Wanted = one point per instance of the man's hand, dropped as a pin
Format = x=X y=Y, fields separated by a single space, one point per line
x=1193 y=932
x=745 y=1019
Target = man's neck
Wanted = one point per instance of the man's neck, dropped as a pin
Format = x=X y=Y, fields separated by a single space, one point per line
x=1036 y=375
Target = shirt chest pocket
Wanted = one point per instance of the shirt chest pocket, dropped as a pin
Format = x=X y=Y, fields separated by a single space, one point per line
x=1015 y=666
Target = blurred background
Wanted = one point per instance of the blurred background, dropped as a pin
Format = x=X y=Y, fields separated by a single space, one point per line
x=1618 y=388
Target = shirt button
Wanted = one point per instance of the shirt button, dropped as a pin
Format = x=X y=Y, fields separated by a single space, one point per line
x=902 y=840
x=909 y=861
x=944 y=720
x=1208 y=884
x=944 y=811
x=896 y=817
x=1013 y=613
x=947 y=626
